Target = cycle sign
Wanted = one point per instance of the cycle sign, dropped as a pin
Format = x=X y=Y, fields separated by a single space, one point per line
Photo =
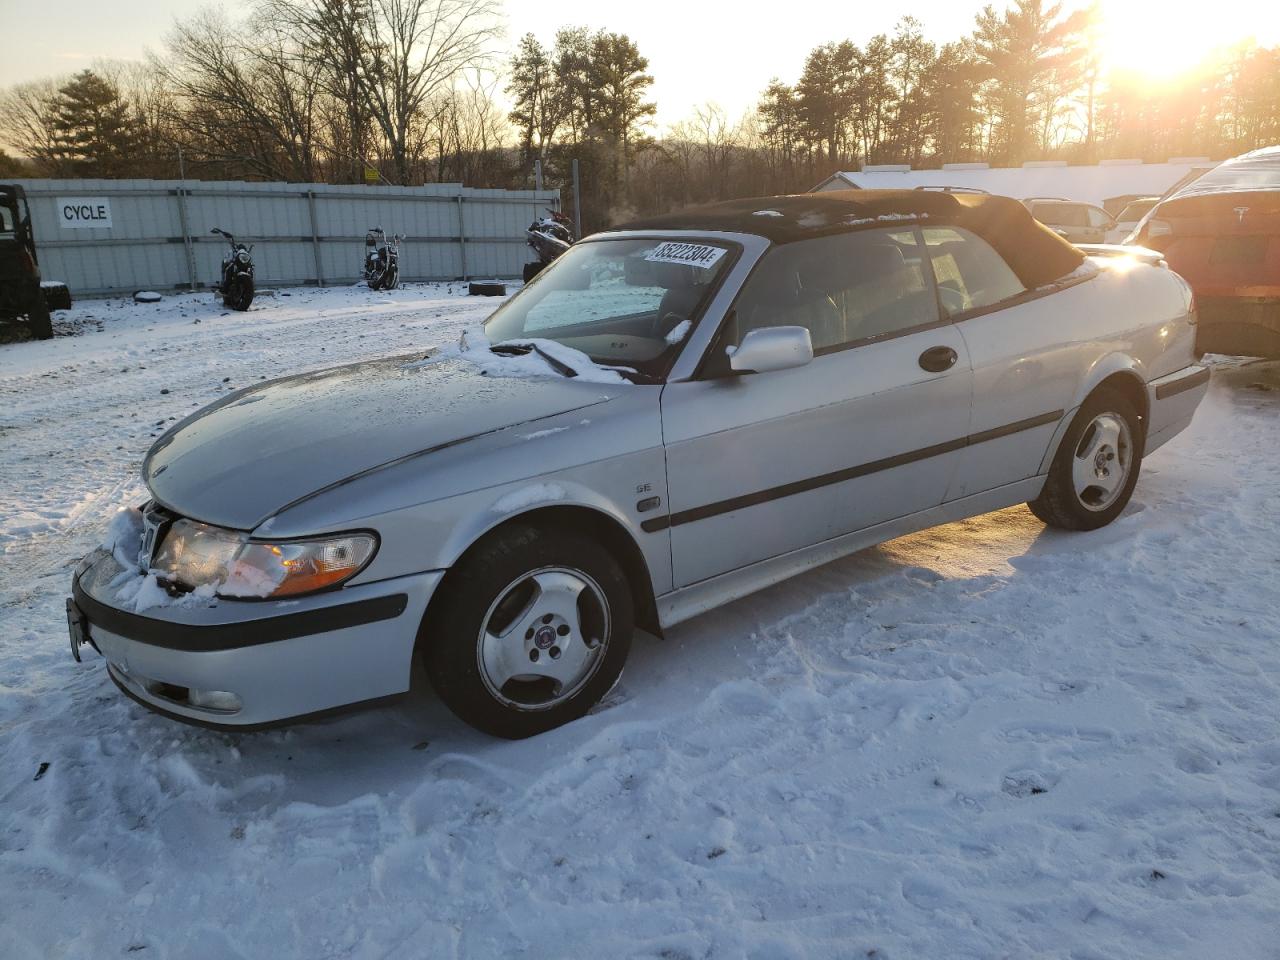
x=84 y=213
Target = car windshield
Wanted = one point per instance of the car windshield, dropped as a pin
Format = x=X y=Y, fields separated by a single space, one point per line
x=627 y=303
x=1135 y=211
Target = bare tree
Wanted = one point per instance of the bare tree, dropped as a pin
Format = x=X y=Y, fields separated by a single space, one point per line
x=412 y=50
x=252 y=104
x=28 y=120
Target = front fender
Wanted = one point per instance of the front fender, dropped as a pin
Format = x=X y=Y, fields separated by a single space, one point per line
x=525 y=500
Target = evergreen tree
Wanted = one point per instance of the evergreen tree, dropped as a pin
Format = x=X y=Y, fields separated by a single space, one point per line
x=91 y=127
x=538 y=110
x=1024 y=49
x=621 y=84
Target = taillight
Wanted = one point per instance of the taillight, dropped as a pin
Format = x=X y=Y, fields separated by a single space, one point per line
x=28 y=264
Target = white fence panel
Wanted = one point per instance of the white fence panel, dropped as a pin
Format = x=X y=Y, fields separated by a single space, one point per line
x=303 y=233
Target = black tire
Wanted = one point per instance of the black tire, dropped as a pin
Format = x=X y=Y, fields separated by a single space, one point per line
x=56 y=296
x=531 y=270
x=38 y=320
x=391 y=279
x=240 y=295
x=487 y=288
x=450 y=637
x=1059 y=505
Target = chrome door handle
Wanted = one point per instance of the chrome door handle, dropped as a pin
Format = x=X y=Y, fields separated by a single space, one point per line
x=937 y=359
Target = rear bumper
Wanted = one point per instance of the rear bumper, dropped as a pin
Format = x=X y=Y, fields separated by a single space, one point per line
x=1173 y=401
x=237 y=664
x=1239 y=326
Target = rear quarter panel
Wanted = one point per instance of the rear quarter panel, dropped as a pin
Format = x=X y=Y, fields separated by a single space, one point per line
x=1050 y=353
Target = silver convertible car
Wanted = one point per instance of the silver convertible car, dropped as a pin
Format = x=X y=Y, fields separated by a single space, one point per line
x=674 y=414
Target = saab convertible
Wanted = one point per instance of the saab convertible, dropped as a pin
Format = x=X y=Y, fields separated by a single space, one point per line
x=674 y=414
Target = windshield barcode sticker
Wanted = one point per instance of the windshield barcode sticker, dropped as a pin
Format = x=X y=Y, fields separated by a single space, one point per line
x=693 y=254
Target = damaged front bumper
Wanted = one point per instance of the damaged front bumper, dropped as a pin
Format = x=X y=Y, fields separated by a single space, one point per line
x=242 y=664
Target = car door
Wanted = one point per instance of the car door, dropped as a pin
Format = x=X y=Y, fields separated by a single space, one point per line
x=759 y=465
x=1025 y=363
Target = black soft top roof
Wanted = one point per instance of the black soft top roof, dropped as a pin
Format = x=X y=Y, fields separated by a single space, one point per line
x=1036 y=254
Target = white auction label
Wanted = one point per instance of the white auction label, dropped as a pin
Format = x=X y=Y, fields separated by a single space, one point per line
x=692 y=254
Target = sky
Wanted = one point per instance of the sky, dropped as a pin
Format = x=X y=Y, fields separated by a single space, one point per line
x=722 y=53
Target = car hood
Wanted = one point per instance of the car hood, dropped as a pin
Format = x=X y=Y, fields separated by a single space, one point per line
x=257 y=451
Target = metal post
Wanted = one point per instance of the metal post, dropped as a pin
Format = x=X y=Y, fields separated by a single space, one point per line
x=537 y=174
x=462 y=237
x=186 y=236
x=315 y=238
x=577 y=202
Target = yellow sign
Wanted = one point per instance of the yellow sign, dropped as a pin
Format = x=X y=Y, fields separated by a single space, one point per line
x=371 y=175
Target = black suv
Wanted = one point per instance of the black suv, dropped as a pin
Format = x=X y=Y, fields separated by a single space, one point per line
x=20 y=292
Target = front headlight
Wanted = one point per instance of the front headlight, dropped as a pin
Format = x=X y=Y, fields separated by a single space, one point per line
x=243 y=256
x=196 y=555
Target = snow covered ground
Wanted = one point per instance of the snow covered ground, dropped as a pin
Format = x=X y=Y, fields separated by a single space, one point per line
x=987 y=740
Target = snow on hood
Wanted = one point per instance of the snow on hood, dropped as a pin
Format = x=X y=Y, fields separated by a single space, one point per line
x=246 y=458
x=474 y=347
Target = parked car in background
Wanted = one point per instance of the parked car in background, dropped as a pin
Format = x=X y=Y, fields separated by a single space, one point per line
x=1074 y=220
x=677 y=413
x=1222 y=233
x=1126 y=221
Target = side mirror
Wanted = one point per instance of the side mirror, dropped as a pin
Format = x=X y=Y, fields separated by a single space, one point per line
x=771 y=348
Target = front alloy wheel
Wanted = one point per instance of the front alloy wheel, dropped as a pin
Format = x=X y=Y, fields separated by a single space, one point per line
x=543 y=638
x=530 y=629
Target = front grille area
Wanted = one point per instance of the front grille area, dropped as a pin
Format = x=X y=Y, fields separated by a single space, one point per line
x=156 y=521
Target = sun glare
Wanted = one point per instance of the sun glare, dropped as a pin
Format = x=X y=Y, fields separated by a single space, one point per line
x=1162 y=43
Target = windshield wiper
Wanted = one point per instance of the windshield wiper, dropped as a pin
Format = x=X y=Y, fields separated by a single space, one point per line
x=521 y=349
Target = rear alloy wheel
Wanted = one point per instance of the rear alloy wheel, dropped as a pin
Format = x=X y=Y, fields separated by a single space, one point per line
x=1096 y=467
x=533 y=628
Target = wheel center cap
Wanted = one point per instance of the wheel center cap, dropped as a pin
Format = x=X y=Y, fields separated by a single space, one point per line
x=545 y=638
x=1100 y=461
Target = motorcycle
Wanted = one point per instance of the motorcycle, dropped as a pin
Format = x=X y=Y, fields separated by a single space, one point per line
x=382 y=259
x=236 y=285
x=549 y=237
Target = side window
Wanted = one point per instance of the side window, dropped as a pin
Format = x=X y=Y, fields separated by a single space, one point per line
x=6 y=220
x=845 y=289
x=970 y=274
x=1061 y=214
x=1098 y=217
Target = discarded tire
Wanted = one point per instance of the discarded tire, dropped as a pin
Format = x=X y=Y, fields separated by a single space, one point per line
x=147 y=296
x=487 y=288
x=56 y=295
